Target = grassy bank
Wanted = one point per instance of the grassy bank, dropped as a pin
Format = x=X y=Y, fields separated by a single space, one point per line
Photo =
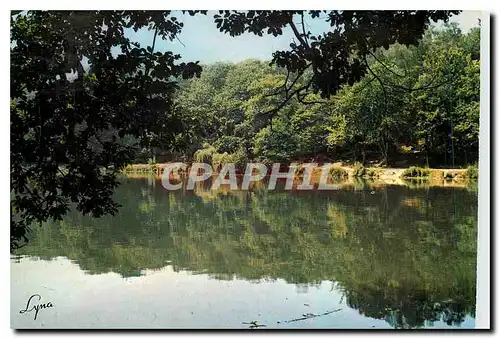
x=341 y=172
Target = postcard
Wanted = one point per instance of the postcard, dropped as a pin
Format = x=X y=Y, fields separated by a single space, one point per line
x=244 y=169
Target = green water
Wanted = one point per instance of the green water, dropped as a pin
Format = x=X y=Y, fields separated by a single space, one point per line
x=390 y=257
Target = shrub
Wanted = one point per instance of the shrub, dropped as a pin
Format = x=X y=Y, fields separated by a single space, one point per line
x=416 y=172
x=371 y=173
x=405 y=149
x=337 y=173
x=238 y=158
x=219 y=159
x=205 y=154
x=143 y=156
x=473 y=172
x=358 y=170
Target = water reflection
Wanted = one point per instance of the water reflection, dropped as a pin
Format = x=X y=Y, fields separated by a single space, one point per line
x=407 y=256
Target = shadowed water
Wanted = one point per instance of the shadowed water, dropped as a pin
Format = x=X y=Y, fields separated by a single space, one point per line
x=358 y=257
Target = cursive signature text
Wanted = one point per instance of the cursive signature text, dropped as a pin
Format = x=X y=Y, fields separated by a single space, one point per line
x=31 y=306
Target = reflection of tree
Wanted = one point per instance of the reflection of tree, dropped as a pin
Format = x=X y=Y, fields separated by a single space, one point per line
x=406 y=256
x=337 y=222
x=406 y=307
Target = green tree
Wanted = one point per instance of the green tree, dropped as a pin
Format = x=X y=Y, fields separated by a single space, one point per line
x=337 y=57
x=448 y=114
x=424 y=98
x=69 y=123
x=66 y=123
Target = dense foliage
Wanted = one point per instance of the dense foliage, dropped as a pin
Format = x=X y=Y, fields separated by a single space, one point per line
x=337 y=57
x=74 y=128
x=416 y=104
x=68 y=124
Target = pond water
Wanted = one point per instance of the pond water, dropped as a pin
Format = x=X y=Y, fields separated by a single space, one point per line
x=360 y=257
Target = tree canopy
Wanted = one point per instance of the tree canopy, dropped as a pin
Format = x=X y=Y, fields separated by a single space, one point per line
x=68 y=124
x=416 y=102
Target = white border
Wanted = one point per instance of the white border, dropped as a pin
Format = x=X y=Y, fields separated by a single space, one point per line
x=483 y=248
x=255 y=4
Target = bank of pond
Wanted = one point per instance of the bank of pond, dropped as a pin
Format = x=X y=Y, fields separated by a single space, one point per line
x=337 y=173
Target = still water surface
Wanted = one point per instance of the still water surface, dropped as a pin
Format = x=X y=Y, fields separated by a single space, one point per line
x=359 y=257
